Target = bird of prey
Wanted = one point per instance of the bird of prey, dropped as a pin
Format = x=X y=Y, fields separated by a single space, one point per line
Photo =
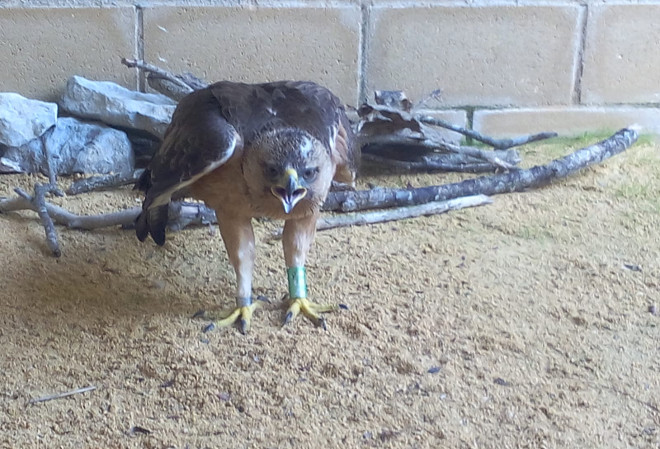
x=254 y=150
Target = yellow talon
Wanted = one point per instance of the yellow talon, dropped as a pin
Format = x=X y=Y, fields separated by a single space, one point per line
x=241 y=315
x=309 y=309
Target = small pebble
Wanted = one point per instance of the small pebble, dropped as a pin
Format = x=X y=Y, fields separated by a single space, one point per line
x=632 y=267
x=653 y=310
x=208 y=328
x=434 y=369
x=500 y=381
x=158 y=284
x=167 y=384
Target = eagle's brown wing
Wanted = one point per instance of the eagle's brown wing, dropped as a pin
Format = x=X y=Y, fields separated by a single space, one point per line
x=198 y=140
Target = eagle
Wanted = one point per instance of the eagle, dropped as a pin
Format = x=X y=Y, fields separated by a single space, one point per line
x=248 y=151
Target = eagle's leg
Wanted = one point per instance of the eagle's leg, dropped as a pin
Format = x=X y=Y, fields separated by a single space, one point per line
x=297 y=238
x=238 y=237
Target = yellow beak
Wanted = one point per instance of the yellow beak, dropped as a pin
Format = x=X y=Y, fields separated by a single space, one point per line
x=288 y=190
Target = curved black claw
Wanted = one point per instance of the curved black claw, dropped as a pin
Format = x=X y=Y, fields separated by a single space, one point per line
x=201 y=313
x=243 y=326
x=263 y=298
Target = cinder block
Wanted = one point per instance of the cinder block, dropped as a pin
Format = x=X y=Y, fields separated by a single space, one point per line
x=257 y=44
x=478 y=55
x=622 y=57
x=565 y=121
x=42 y=47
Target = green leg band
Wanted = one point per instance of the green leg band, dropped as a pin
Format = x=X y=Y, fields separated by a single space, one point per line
x=297 y=278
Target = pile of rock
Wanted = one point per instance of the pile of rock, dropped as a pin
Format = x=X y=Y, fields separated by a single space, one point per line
x=88 y=132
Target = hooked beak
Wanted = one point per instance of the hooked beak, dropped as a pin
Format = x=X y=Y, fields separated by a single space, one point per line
x=288 y=190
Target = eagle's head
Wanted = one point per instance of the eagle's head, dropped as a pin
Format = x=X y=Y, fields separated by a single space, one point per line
x=290 y=167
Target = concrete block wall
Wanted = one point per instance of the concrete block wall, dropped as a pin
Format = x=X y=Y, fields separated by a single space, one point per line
x=505 y=67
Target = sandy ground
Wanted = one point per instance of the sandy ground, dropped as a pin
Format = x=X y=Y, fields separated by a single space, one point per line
x=515 y=325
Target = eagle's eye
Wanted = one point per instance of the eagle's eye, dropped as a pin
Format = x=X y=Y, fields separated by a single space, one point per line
x=309 y=174
x=272 y=172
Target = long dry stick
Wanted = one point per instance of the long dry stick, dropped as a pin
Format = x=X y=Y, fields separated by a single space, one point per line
x=62 y=216
x=66 y=394
x=104 y=182
x=513 y=181
x=38 y=204
x=161 y=73
x=431 y=163
x=399 y=213
x=498 y=144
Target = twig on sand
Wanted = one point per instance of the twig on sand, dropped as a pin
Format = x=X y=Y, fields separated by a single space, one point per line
x=181 y=214
x=400 y=213
x=66 y=394
x=513 y=181
x=62 y=216
x=38 y=204
x=498 y=144
x=103 y=182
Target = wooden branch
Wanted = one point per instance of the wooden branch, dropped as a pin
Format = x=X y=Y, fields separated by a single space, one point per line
x=429 y=145
x=498 y=144
x=193 y=81
x=103 y=182
x=38 y=204
x=400 y=213
x=64 y=217
x=396 y=100
x=514 y=181
x=167 y=88
x=181 y=214
x=50 y=168
x=478 y=153
x=431 y=163
x=174 y=86
x=66 y=394
x=386 y=126
x=161 y=73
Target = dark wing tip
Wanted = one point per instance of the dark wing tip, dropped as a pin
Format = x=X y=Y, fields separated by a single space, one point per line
x=152 y=221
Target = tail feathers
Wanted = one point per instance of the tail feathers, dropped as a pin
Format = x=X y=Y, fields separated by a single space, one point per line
x=152 y=221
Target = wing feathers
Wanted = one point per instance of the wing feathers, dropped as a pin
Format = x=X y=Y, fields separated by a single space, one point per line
x=198 y=140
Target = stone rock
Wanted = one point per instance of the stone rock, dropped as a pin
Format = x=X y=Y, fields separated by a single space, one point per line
x=117 y=106
x=75 y=147
x=23 y=119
